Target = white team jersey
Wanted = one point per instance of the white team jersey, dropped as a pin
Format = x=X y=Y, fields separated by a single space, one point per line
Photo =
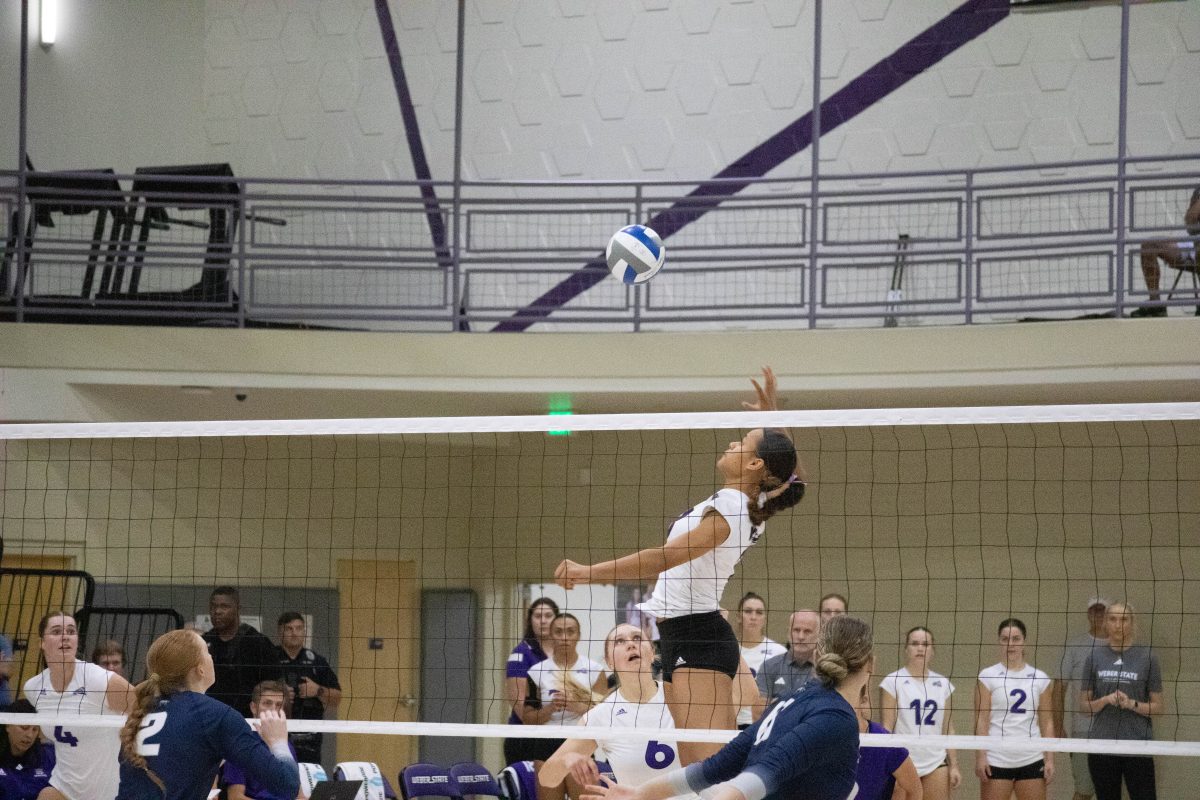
x=920 y=711
x=696 y=587
x=1016 y=696
x=754 y=658
x=634 y=761
x=86 y=758
x=548 y=677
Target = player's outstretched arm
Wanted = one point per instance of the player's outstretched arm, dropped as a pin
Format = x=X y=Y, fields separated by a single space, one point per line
x=651 y=562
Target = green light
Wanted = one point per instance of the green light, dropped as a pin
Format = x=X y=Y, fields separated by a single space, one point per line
x=560 y=406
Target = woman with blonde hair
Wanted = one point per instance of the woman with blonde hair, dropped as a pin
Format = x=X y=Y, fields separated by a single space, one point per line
x=176 y=737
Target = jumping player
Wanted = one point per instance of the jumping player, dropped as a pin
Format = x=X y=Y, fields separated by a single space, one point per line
x=86 y=758
x=637 y=702
x=805 y=746
x=176 y=737
x=700 y=652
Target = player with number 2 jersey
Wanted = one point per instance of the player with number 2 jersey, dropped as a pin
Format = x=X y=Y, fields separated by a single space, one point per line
x=85 y=758
x=176 y=737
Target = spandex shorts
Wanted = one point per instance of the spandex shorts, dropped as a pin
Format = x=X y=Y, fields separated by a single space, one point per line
x=1030 y=772
x=698 y=641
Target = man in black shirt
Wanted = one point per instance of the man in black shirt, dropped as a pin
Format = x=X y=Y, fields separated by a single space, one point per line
x=242 y=657
x=314 y=684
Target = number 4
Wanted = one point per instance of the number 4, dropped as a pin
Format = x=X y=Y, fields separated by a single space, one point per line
x=65 y=737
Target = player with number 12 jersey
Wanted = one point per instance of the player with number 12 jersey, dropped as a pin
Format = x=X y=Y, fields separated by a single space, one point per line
x=921 y=704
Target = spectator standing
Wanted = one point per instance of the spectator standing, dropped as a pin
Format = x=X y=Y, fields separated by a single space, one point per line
x=242 y=657
x=1122 y=689
x=6 y=656
x=267 y=696
x=1069 y=720
x=1009 y=705
x=756 y=646
x=313 y=683
x=535 y=641
x=110 y=655
x=26 y=762
x=916 y=701
x=833 y=605
x=784 y=674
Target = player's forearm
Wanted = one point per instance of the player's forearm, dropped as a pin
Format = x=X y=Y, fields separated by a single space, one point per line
x=646 y=563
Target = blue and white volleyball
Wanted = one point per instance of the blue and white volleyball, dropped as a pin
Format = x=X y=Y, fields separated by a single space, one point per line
x=635 y=254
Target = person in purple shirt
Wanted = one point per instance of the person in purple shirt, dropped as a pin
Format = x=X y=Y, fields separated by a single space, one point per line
x=882 y=769
x=267 y=696
x=526 y=707
x=25 y=760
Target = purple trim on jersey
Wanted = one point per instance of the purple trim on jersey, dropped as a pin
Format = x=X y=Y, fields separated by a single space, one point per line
x=232 y=774
x=530 y=654
x=875 y=767
x=26 y=780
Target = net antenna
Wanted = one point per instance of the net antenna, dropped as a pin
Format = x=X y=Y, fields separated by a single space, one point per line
x=895 y=294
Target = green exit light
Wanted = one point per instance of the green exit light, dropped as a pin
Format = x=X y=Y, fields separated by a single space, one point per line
x=560 y=406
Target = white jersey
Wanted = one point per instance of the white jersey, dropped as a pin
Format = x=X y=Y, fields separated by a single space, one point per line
x=1016 y=696
x=634 y=761
x=696 y=587
x=548 y=677
x=920 y=711
x=85 y=758
x=754 y=658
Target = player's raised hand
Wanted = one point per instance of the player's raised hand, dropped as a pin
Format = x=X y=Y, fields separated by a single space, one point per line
x=272 y=726
x=767 y=393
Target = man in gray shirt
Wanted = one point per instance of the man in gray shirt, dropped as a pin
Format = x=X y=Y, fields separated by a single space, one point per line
x=1122 y=689
x=783 y=674
x=1069 y=721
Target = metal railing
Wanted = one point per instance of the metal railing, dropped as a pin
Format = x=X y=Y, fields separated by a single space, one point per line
x=942 y=247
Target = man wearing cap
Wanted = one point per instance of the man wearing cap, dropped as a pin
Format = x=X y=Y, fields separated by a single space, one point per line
x=1069 y=720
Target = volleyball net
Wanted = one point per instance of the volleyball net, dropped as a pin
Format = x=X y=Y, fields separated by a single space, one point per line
x=412 y=548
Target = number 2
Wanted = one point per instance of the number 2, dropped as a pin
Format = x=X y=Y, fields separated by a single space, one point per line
x=931 y=708
x=151 y=725
x=1017 y=707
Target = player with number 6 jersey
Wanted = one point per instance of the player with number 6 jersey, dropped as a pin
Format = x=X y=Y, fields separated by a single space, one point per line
x=916 y=701
x=85 y=758
x=806 y=746
x=176 y=737
x=637 y=702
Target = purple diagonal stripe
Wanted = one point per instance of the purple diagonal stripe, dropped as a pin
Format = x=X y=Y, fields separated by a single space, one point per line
x=408 y=112
x=971 y=19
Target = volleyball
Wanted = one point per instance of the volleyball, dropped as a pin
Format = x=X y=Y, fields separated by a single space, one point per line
x=635 y=254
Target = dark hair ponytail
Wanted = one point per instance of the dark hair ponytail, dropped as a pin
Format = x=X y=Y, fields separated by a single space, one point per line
x=779 y=457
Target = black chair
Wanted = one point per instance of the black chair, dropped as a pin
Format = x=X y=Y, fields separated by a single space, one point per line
x=52 y=195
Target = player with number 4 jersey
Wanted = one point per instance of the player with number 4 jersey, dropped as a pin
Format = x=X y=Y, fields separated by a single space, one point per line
x=637 y=702
x=176 y=737
x=804 y=748
x=85 y=758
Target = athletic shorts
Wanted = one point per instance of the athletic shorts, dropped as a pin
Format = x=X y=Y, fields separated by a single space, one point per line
x=1030 y=772
x=698 y=641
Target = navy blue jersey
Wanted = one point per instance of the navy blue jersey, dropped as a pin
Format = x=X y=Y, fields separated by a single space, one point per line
x=23 y=778
x=804 y=748
x=184 y=741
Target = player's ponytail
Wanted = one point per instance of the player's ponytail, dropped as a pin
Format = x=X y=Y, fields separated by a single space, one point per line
x=169 y=660
x=782 y=485
x=844 y=647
